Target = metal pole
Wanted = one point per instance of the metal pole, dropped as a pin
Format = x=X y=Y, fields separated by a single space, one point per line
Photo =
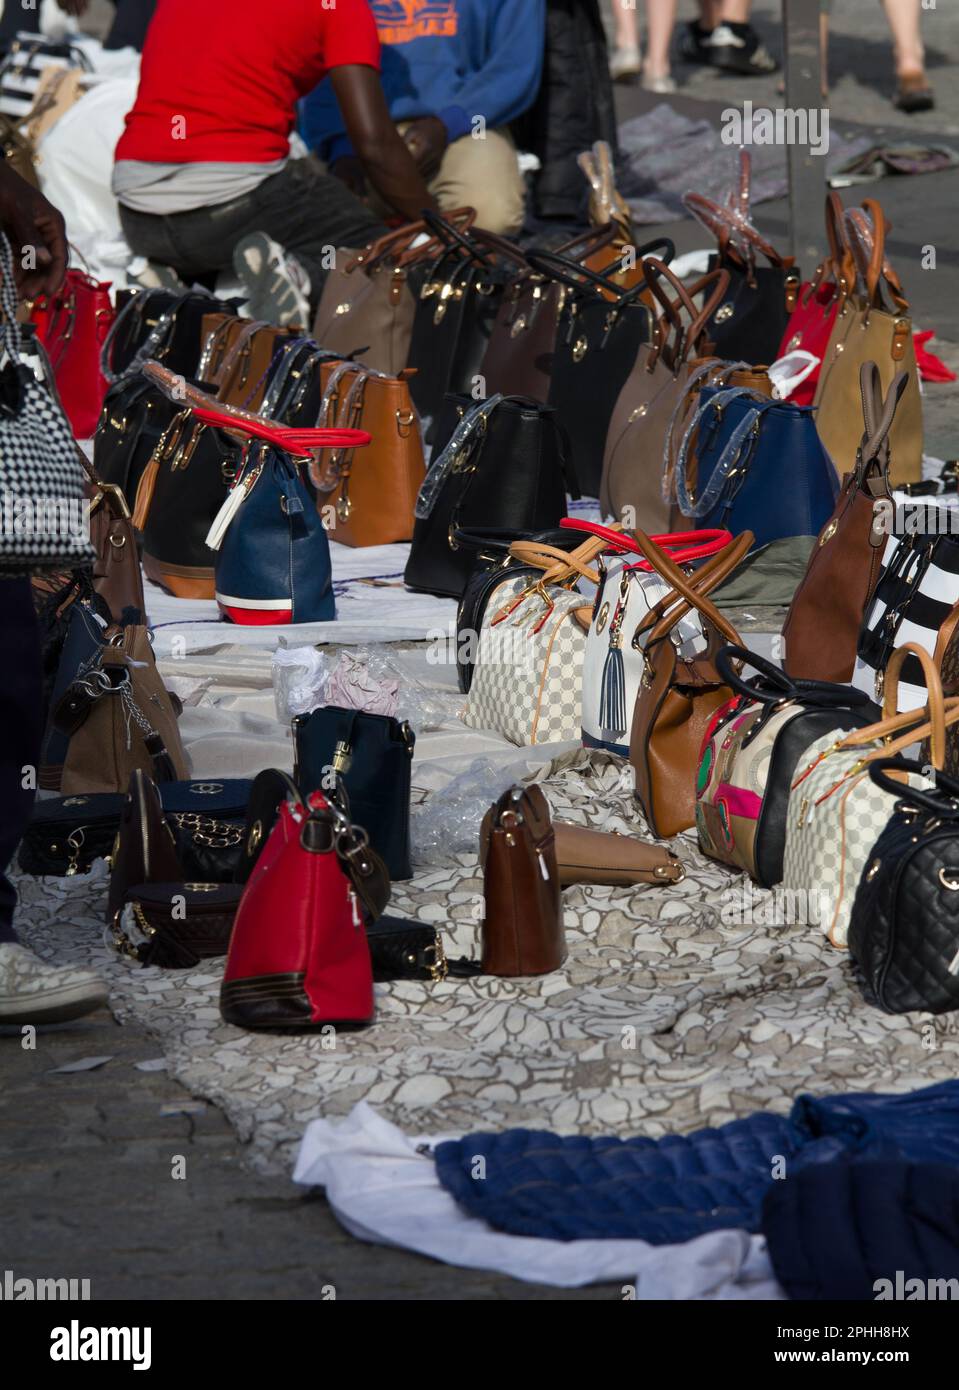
x=807 y=171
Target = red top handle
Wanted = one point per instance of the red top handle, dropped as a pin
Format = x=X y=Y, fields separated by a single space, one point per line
x=682 y=546
x=292 y=441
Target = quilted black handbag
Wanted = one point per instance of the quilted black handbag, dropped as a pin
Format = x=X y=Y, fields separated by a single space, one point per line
x=904 y=931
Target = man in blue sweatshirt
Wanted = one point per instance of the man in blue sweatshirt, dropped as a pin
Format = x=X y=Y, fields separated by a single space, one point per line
x=455 y=73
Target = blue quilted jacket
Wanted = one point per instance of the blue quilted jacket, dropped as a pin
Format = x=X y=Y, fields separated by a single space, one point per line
x=533 y=1183
x=841 y=1231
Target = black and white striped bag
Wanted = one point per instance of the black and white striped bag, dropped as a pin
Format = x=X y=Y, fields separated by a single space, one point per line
x=916 y=600
x=22 y=68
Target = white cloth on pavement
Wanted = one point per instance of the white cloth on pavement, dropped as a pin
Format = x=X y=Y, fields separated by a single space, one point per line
x=384 y=1191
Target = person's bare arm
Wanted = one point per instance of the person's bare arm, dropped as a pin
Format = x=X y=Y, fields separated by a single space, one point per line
x=389 y=165
x=37 y=235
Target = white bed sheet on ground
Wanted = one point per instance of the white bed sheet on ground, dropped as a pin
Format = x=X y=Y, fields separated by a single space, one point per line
x=384 y=1191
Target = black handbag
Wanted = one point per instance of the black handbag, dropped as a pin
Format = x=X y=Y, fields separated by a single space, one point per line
x=497 y=464
x=67 y=833
x=904 y=929
x=134 y=418
x=600 y=330
x=403 y=949
x=164 y=325
x=371 y=754
x=749 y=324
x=458 y=299
x=819 y=707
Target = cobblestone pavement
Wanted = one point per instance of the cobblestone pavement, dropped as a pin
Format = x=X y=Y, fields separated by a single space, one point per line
x=87 y=1157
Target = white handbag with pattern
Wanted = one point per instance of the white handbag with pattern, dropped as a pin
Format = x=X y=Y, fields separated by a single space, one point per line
x=836 y=813
x=528 y=668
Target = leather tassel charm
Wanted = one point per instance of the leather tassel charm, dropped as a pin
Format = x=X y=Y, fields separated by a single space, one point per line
x=612 y=695
x=145 y=490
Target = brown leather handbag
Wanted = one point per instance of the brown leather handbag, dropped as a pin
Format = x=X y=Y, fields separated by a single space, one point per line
x=824 y=618
x=119 y=716
x=677 y=697
x=523 y=924
x=631 y=489
x=367 y=307
x=372 y=491
x=597 y=856
x=872 y=325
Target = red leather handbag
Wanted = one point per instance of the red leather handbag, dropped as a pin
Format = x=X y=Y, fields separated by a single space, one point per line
x=298 y=958
x=810 y=323
x=72 y=325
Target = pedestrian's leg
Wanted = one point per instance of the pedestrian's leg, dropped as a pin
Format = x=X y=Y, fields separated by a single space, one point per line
x=913 y=92
x=20 y=730
x=660 y=21
x=483 y=174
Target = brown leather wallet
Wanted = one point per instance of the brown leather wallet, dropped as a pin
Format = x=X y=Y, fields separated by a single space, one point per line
x=604 y=857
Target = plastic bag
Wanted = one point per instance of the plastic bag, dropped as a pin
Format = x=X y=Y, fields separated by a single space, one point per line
x=448 y=822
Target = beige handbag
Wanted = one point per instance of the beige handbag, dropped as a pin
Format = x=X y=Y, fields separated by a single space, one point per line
x=367 y=307
x=866 y=330
x=120 y=717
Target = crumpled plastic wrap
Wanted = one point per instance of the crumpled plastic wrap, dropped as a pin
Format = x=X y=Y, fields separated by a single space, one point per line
x=449 y=821
x=366 y=678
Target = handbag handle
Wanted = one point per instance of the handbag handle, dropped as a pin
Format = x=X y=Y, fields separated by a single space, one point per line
x=559 y=565
x=687 y=336
x=692 y=589
x=452 y=235
x=684 y=546
x=726 y=220
x=878 y=415
x=579 y=277
x=399 y=242
x=868 y=226
x=733 y=459
x=944 y=806
x=840 y=260
x=298 y=442
x=934 y=717
x=780 y=686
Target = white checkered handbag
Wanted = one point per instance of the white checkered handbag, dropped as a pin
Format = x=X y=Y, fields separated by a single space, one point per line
x=44 y=515
x=528 y=669
x=836 y=813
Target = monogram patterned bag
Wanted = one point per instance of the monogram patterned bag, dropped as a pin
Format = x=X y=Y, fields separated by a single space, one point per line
x=836 y=812
x=529 y=663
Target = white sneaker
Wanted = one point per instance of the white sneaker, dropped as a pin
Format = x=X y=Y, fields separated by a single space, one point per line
x=664 y=85
x=33 y=992
x=277 y=286
x=623 y=63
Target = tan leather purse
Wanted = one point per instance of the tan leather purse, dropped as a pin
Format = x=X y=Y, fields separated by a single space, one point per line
x=631 y=489
x=523 y=923
x=866 y=330
x=596 y=856
x=677 y=698
x=373 y=490
x=367 y=307
x=120 y=717
x=824 y=618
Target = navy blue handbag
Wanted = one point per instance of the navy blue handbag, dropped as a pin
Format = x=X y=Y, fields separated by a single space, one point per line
x=748 y=463
x=273 y=553
x=372 y=754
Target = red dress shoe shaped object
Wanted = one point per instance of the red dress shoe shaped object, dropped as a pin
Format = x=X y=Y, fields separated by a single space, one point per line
x=273 y=554
x=298 y=958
